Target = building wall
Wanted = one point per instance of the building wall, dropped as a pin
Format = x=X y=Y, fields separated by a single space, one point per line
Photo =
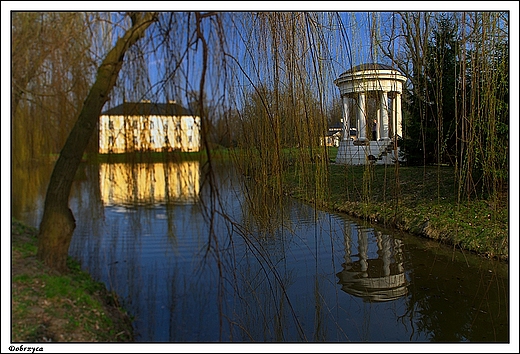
x=119 y=134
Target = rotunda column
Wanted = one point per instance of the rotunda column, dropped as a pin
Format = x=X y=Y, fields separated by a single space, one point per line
x=384 y=115
x=363 y=252
x=346 y=117
x=398 y=117
x=347 y=239
x=361 y=117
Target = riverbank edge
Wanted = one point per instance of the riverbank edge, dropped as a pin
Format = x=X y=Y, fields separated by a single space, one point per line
x=419 y=226
x=429 y=219
x=50 y=307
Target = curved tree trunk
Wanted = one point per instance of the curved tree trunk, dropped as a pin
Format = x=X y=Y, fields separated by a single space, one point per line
x=58 y=223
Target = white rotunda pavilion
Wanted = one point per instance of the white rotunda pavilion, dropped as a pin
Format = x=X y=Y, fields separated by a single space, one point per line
x=371 y=97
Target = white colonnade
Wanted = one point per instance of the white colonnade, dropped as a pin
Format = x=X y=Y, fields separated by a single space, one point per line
x=357 y=86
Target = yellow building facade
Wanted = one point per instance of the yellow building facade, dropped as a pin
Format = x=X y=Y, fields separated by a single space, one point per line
x=146 y=126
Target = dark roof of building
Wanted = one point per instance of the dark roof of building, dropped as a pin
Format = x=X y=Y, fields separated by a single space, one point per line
x=336 y=125
x=148 y=109
x=369 y=66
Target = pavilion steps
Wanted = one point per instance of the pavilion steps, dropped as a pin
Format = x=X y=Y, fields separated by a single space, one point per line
x=373 y=152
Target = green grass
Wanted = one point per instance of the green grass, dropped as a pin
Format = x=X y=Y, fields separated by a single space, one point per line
x=63 y=307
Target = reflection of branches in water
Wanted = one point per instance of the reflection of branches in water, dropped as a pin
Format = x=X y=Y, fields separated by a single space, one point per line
x=214 y=210
x=410 y=315
x=485 y=300
x=461 y=306
x=268 y=267
x=264 y=209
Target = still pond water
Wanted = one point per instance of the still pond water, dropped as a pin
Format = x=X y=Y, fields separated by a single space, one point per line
x=194 y=263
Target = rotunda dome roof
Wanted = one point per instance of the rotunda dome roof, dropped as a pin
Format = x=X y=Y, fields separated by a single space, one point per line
x=369 y=66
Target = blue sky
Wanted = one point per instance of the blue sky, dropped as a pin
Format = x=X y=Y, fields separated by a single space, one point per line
x=355 y=49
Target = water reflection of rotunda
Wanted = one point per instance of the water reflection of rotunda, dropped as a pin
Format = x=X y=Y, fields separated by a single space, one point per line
x=374 y=276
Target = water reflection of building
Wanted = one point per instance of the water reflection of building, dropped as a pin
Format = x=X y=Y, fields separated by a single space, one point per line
x=374 y=276
x=150 y=183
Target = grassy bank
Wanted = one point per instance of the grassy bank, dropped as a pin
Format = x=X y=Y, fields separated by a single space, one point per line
x=424 y=201
x=51 y=307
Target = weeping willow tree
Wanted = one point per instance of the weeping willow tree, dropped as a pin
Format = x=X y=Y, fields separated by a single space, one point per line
x=484 y=113
x=50 y=73
x=263 y=81
x=58 y=223
x=51 y=69
x=287 y=69
x=283 y=59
